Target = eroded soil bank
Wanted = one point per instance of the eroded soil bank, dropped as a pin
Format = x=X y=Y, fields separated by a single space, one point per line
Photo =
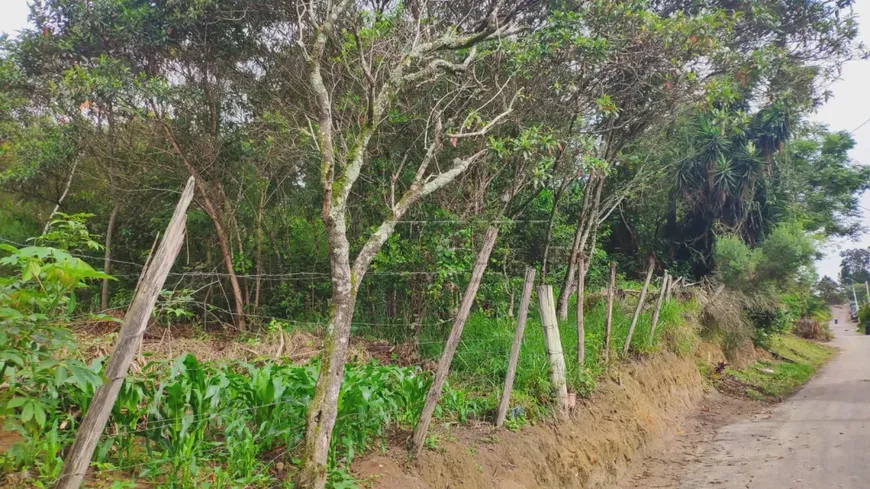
x=638 y=403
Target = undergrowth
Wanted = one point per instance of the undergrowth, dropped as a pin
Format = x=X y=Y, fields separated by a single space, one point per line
x=186 y=423
x=795 y=361
x=480 y=364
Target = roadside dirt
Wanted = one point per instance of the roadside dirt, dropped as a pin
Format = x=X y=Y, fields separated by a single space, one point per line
x=664 y=458
x=815 y=439
x=641 y=402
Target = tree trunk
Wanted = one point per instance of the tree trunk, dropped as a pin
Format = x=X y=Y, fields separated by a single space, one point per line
x=515 y=348
x=107 y=260
x=135 y=322
x=446 y=359
x=259 y=256
x=227 y=254
x=221 y=233
x=640 y=301
x=63 y=195
x=587 y=223
x=581 y=304
x=323 y=409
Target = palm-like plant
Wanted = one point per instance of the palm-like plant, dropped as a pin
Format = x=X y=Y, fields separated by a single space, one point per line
x=723 y=182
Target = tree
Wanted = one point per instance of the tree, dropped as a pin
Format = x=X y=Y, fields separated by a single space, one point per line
x=823 y=184
x=642 y=66
x=855 y=266
x=391 y=51
x=830 y=291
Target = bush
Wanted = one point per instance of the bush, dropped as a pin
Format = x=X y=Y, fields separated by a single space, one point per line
x=723 y=319
x=768 y=318
x=812 y=330
x=735 y=262
x=864 y=314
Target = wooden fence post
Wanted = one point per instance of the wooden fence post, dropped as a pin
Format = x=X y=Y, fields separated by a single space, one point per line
x=654 y=320
x=670 y=291
x=640 y=301
x=446 y=359
x=553 y=343
x=515 y=348
x=581 y=304
x=135 y=322
x=608 y=319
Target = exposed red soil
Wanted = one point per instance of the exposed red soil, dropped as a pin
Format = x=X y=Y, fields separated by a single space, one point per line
x=638 y=404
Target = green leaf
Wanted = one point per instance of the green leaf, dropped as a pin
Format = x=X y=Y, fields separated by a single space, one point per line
x=16 y=402
x=34 y=268
x=71 y=305
x=83 y=377
x=9 y=313
x=27 y=411
x=39 y=414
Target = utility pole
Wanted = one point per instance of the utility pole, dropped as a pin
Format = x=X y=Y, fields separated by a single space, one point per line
x=855 y=296
x=866 y=286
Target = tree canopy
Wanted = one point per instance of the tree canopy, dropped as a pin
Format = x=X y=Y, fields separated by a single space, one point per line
x=351 y=158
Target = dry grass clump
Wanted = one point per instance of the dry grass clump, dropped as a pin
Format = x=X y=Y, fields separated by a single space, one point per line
x=723 y=321
x=812 y=330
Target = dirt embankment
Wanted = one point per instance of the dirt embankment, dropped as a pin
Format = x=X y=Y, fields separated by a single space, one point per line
x=637 y=404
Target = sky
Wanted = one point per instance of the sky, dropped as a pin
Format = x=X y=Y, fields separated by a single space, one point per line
x=846 y=111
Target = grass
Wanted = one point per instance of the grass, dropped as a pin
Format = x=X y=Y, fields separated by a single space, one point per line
x=207 y=421
x=799 y=350
x=795 y=361
x=480 y=364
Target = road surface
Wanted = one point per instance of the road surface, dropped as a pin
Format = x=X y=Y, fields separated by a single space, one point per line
x=818 y=439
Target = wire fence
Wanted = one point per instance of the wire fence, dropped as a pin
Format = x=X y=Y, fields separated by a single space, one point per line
x=216 y=277
x=315 y=279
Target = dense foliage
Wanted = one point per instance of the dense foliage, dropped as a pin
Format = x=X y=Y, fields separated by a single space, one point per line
x=349 y=158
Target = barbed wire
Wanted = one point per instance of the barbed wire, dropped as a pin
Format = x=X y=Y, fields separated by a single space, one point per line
x=284 y=276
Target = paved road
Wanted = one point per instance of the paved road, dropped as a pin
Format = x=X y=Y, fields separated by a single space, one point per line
x=819 y=439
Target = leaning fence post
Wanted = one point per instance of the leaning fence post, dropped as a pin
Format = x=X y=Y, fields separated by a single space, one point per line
x=515 y=348
x=135 y=322
x=608 y=319
x=554 y=348
x=655 y=316
x=581 y=329
x=434 y=392
x=670 y=291
x=640 y=301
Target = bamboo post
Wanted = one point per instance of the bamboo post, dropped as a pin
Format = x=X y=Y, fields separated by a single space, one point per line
x=640 y=301
x=608 y=319
x=129 y=338
x=515 y=348
x=446 y=359
x=581 y=303
x=554 y=348
x=655 y=317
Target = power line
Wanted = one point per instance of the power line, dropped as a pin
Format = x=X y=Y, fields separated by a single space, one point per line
x=860 y=126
